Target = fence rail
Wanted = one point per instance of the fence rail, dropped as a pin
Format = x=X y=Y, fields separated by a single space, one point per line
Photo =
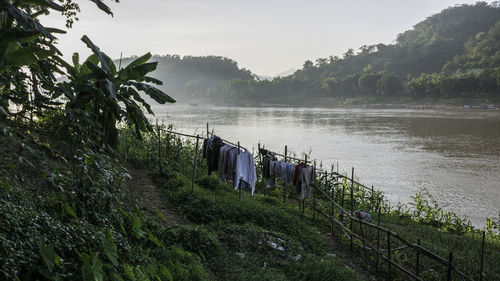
x=332 y=181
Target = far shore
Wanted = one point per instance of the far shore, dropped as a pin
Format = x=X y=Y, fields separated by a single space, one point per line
x=397 y=103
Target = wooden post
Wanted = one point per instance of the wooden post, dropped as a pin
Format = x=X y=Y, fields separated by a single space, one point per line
x=195 y=162
x=159 y=147
x=312 y=191
x=333 y=199
x=352 y=205
x=450 y=263
x=262 y=167
x=239 y=180
x=482 y=255
x=208 y=132
x=378 y=237
x=373 y=200
x=304 y=200
x=417 y=265
x=352 y=192
x=342 y=204
x=284 y=183
x=363 y=239
x=389 y=253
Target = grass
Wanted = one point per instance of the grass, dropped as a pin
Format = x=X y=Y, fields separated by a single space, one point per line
x=243 y=229
x=213 y=203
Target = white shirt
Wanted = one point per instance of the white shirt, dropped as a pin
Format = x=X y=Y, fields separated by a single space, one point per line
x=245 y=170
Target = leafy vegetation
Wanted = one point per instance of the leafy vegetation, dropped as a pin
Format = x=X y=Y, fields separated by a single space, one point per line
x=234 y=236
x=192 y=78
x=217 y=208
x=62 y=204
x=78 y=227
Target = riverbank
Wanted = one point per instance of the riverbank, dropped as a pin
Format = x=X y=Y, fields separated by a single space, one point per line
x=214 y=204
x=88 y=215
x=368 y=102
x=446 y=151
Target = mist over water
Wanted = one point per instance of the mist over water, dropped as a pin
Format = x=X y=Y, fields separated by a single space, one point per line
x=454 y=154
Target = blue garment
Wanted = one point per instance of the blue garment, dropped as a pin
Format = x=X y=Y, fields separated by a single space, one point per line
x=289 y=172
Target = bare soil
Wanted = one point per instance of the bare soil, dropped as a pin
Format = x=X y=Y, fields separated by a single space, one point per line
x=141 y=190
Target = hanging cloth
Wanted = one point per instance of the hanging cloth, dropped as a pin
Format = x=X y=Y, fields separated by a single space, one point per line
x=305 y=179
x=245 y=176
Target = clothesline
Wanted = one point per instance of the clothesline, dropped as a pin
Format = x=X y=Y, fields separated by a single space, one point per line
x=282 y=155
x=290 y=157
x=181 y=134
x=228 y=142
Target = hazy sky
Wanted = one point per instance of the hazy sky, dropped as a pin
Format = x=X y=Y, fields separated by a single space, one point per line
x=265 y=36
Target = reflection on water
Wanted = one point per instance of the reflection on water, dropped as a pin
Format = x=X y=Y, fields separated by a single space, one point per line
x=453 y=153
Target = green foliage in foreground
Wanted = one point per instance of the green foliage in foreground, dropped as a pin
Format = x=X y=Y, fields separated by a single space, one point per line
x=237 y=233
x=232 y=236
x=217 y=207
x=76 y=227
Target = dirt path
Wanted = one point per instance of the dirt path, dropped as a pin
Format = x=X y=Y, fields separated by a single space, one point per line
x=142 y=190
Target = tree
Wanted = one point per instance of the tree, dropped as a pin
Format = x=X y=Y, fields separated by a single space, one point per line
x=28 y=57
x=389 y=85
x=368 y=83
x=308 y=65
x=100 y=96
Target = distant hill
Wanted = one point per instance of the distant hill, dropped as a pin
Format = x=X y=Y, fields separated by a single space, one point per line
x=191 y=78
x=451 y=54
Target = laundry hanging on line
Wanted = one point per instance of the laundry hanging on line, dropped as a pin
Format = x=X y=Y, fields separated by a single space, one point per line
x=227 y=162
x=245 y=175
x=211 y=150
x=230 y=162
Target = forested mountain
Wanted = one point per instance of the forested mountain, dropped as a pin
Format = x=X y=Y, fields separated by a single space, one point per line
x=192 y=78
x=452 y=54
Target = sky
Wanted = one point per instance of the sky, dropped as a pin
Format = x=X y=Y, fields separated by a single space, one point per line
x=264 y=36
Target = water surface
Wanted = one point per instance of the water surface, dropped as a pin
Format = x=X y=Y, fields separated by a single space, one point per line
x=455 y=154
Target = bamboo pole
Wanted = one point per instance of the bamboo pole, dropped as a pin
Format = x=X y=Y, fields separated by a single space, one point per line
x=342 y=203
x=372 y=204
x=195 y=163
x=333 y=198
x=304 y=200
x=284 y=182
x=352 y=205
x=378 y=237
x=450 y=265
x=363 y=239
x=312 y=191
x=239 y=180
x=482 y=255
x=389 y=254
x=262 y=166
x=417 y=265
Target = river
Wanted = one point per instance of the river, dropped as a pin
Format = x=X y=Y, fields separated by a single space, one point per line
x=454 y=154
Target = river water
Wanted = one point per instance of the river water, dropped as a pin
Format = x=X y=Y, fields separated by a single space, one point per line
x=454 y=154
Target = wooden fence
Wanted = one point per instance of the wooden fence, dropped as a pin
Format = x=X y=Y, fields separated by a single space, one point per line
x=324 y=188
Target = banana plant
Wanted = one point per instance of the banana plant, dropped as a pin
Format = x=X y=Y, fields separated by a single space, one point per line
x=27 y=51
x=100 y=96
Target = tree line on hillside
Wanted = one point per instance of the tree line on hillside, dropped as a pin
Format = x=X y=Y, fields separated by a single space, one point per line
x=454 y=53
x=196 y=78
x=448 y=55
